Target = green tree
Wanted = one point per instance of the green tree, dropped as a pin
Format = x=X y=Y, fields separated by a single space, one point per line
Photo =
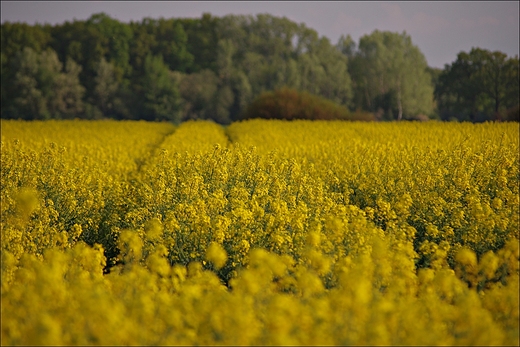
x=42 y=89
x=14 y=38
x=68 y=92
x=172 y=45
x=391 y=77
x=242 y=93
x=88 y=42
x=198 y=93
x=347 y=46
x=69 y=40
x=498 y=77
x=479 y=85
x=201 y=42
x=144 y=40
x=324 y=71
x=114 y=37
x=165 y=37
x=28 y=100
x=262 y=53
x=160 y=91
x=223 y=100
x=224 y=97
x=456 y=92
x=105 y=96
x=435 y=74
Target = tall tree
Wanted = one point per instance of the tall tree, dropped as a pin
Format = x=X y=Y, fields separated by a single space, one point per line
x=201 y=42
x=347 y=46
x=270 y=53
x=143 y=42
x=42 y=89
x=160 y=91
x=106 y=88
x=28 y=101
x=226 y=73
x=198 y=93
x=14 y=38
x=114 y=37
x=87 y=42
x=391 y=77
x=479 y=85
x=68 y=92
x=497 y=76
x=172 y=45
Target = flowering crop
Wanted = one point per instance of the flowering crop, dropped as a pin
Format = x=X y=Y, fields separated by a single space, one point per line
x=264 y=232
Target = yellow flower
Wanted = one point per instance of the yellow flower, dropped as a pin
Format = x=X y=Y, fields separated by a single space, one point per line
x=216 y=254
x=27 y=201
x=466 y=257
x=154 y=229
x=313 y=239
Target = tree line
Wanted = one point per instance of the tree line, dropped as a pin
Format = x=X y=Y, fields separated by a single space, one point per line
x=215 y=67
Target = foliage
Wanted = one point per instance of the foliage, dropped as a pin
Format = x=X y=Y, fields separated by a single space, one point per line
x=247 y=54
x=198 y=93
x=42 y=88
x=202 y=42
x=390 y=75
x=290 y=104
x=479 y=85
x=106 y=88
x=242 y=57
x=14 y=38
x=159 y=91
x=264 y=232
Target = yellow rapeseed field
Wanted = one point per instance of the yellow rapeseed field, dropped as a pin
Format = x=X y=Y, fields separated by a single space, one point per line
x=259 y=233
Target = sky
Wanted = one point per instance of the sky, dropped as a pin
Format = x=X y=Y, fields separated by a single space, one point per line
x=441 y=29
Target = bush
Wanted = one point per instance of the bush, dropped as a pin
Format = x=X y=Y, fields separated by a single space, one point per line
x=291 y=104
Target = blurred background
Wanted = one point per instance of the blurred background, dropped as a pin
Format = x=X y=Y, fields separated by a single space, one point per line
x=210 y=60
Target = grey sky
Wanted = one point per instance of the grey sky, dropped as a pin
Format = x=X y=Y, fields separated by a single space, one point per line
x=440 y=29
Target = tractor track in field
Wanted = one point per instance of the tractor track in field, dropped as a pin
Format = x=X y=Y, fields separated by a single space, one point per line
x=153 y=152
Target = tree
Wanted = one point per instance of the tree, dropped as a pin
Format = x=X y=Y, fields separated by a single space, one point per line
x=201 y=42
x=262 y=53
x=198 y=93
x=106 y=88
x=114 y=38
x=14 y=38
x=88 y=42
x=327 y=72
x=68 y=92
x=435 y=74
x=28 y=101
x=42 y=89
x=172 y=45
x=144 y=40
x=224 y=98
x=347 y=46
x=479 y=85
x=160 y=91
x=390 y=75
x=498 y=78
x=69 y=40
x=242 y=93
